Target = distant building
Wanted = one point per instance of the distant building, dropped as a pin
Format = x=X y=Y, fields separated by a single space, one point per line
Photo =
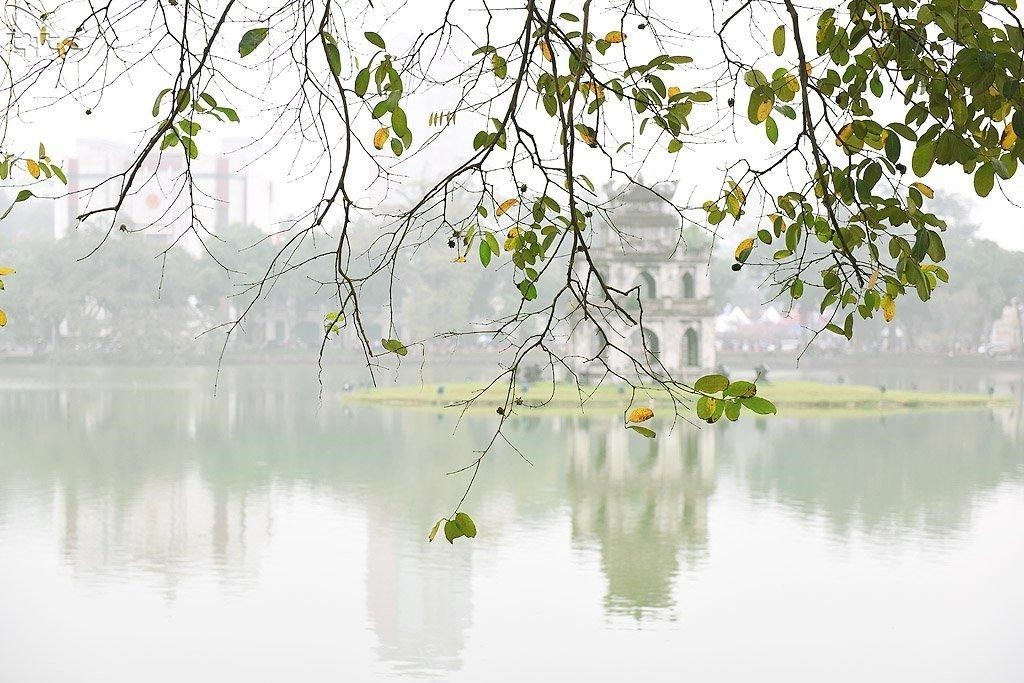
x=761 y=329
x=669 y=270
x=1008 y=331
x=159 y=199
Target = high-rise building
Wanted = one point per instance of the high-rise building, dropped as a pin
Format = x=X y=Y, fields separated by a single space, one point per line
x=167 y=195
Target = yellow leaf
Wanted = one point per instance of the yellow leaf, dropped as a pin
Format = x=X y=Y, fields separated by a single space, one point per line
x=615 y=37
x=792 y=83
x=460 y=259
x=545 y=50
x=764 y=110
x=5 y=270
x=807 y=68
x=586 y=136
x=888 y=308
x=3 y=318
x=33 y=168
x=873 y=280
x=844 y=134
x=65 y=46
x=505 y=206
x=640 y=414
x=514 y=233
x=673 y=91
x=1009 y=138
x=924 y=189
x=744 y=247
x=738 y=191
x=42 y=35
x=380 y=137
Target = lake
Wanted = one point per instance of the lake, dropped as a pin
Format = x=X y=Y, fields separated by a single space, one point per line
x=153 y=531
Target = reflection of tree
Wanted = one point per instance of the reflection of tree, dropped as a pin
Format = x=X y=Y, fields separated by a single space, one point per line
x=643 y=501
x=888 y=476
x=148 y=471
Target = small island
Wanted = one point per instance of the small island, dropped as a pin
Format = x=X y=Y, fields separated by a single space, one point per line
x=789 y=396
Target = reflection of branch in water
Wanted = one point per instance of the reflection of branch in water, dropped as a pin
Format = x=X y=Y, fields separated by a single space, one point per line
x=643 y=502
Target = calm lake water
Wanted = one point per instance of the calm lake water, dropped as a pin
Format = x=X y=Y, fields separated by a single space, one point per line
x=151 y=531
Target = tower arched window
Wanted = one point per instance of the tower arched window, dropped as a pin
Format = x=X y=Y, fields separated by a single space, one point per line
x=691 y=348
x=648 y=289
x=688 y=288
x=648 y=345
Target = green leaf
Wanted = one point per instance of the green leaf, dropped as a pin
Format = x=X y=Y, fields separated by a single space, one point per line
x=710 y=384
x=190 y=146
x=892 y=148
x=761 y=406
x=643 y=431
x=251 y=40
x=189 y=127
x=528 y=290
x=362 y=81
x=170 y=140
x=452 y=530
x=779 y=40
x=465 y=524
x=706 y=407
x=485 y=253
x=333 y=58
x=183 y=99
x=375 y=39
x=924 y=157
x=492 y=243
x=771 y=129
x=400 y=124
x=394 y=346
x=741 y=388
x=984 y=180
x=156 y=102
x=383 y=107
x=22 y=196
x=904 y=131
x=228 y=112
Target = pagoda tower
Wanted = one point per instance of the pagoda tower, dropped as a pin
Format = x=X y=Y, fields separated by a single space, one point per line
x=643 y=244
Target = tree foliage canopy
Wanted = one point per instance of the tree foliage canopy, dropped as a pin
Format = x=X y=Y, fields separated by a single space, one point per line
x=511 y=115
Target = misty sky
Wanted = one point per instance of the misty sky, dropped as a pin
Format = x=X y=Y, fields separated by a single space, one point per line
x=124 y=115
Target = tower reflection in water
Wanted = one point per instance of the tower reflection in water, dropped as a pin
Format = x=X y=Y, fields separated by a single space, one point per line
x=160 y=477
x=644 y=503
